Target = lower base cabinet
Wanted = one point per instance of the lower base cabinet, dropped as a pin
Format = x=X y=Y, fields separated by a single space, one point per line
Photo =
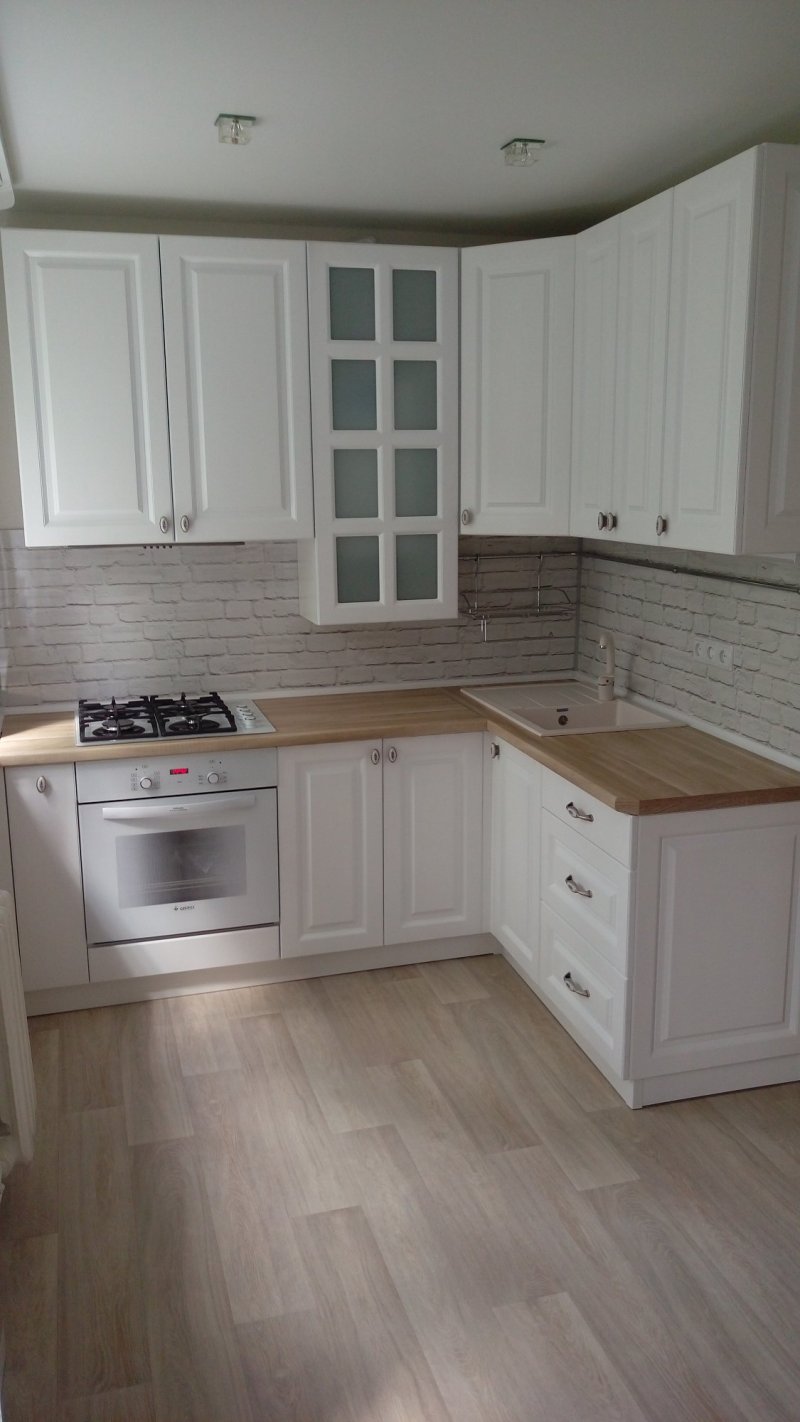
x=380 y=842
x=516 y=851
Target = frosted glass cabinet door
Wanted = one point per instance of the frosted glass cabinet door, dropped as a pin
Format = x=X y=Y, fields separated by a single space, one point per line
x=236 y=333
x=384 y=341
x=87 y=360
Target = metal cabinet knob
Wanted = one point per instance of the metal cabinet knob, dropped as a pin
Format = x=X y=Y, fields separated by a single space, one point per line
x=494 y=750
x=466 y=516
x=611 y=522
x=391 y=755
x=602 y=521
x=662 y=524
x=375 y=757
x=576 y=814
x=41 y=784
x=163 y=524
x=576 y=888
x=186 y=523
x=575 y=987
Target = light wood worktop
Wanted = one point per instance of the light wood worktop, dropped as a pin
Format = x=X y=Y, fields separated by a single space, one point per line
x=637 y=772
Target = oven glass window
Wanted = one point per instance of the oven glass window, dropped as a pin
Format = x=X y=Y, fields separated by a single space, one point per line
x=180 y=866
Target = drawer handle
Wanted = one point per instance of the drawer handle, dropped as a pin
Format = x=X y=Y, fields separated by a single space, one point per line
x=579 y=814
x=576 y=888
x=574 y=987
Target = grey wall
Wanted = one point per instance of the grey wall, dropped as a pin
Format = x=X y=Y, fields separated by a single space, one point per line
x=654 y=614
x=92 y=622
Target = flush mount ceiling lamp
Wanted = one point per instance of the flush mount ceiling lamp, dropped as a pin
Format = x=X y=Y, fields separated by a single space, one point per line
x=234 y=128
x=522 y=152
x=6 y=190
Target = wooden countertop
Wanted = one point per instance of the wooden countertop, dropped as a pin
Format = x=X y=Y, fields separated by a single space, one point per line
x=637 y=772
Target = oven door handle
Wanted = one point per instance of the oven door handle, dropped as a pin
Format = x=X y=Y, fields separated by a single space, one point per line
x=212 y=805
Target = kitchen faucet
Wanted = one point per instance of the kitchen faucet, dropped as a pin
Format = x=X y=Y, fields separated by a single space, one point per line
x=605 y=684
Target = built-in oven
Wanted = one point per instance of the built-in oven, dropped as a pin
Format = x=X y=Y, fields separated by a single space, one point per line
x=176 y=846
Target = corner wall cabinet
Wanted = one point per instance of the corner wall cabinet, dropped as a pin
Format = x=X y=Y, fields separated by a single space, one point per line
x=384 y=414
x=101 y=460
x=381 y=842
x=516 y=386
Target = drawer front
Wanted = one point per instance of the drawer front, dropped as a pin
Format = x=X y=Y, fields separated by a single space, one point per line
x=606 y=828
x=585 y=990
x=588 y=888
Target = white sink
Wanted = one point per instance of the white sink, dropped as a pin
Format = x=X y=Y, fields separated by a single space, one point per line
x=565 y=709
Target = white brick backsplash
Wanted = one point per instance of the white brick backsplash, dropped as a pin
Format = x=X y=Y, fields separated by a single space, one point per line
x=101 y=621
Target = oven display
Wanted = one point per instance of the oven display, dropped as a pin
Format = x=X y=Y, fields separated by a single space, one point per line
x=183 y=771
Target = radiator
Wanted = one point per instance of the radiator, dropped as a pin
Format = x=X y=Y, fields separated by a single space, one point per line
x=17 y=1090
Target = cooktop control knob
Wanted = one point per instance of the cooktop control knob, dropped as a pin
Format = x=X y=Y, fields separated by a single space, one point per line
x=145 y=783
x=212 y=777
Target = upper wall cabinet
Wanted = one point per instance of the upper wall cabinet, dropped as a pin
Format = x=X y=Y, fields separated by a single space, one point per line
x=87 y=334
x=383 y=327
x=516 y=386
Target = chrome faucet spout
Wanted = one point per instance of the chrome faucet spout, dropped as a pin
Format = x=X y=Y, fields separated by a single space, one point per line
x=605 y=684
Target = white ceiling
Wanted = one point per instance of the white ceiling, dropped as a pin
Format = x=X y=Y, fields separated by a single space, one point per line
x=387 y=111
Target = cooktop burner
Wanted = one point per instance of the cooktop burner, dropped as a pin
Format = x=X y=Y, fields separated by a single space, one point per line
x=156 y=717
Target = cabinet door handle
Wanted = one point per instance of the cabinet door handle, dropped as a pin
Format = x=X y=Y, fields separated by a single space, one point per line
x=41 y=784
x=575 y=987
x=466 y=516
x=576 y=814
x=611 y=522
x=186 y=523
x=602 y=521
x=662 y=524
x=375 y=757
x=391 y=755
x=163 y=524
x=494 y=750
x=576 y=888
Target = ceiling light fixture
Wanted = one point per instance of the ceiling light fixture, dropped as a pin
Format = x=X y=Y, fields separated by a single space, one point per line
x=234 y=128
x=522 y=152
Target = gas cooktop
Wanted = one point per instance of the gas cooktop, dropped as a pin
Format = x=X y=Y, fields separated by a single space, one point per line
x=138 y=718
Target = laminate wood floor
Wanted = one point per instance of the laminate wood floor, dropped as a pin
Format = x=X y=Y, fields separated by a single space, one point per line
x=398 y=1196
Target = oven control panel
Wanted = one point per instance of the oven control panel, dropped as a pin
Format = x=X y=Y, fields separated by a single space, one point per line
x=160 y=775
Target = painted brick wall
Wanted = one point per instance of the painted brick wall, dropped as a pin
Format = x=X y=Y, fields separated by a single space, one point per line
x=653 y=615
x=99 y=621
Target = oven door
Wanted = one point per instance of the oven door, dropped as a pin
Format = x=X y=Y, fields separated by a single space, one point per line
x=189 y=864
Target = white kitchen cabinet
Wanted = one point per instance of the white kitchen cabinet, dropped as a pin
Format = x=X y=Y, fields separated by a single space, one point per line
x=716 y=978
x=45 y=852
x=101 y=460
x=87 y=361
x=380 y=842
x=515 y=858
x=383 y=325
x=330 y=834
x=516 y=386
x=236 y=336
x=621 y=309
x=432 y=836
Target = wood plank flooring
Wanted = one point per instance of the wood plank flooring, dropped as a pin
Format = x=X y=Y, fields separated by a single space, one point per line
x=398 y=1196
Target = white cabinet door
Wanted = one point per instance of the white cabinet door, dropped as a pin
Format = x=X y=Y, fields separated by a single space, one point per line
x=710 y=301
x=383 y=325
x=433 y=837
x=87 y=359
x=716 y=976
x=596 y=283
x=330 y=834
x=516 y=386
x=642 y=312
x=236 y=334
x=47 y=875
x=516 y=783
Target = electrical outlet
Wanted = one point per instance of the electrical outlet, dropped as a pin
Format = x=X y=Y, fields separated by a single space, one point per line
x=712 y=653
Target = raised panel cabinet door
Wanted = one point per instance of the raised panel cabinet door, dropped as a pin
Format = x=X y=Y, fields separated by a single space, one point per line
x=433 y=836
x=516 y=851
x=330 y=833
x=236 y=335
x=45 y=853
x=516 y=386
x=87 y=362
x=710 y=301
x=716 y=977
x=596 y=285
x=642 y=313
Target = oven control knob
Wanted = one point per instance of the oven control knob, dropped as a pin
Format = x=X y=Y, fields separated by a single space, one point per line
x=145 y=783
x=213 y=777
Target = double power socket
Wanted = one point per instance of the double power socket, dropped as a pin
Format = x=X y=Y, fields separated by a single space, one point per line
x=712 y=653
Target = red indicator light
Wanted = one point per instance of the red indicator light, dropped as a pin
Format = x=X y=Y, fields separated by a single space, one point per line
x=184 y=771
